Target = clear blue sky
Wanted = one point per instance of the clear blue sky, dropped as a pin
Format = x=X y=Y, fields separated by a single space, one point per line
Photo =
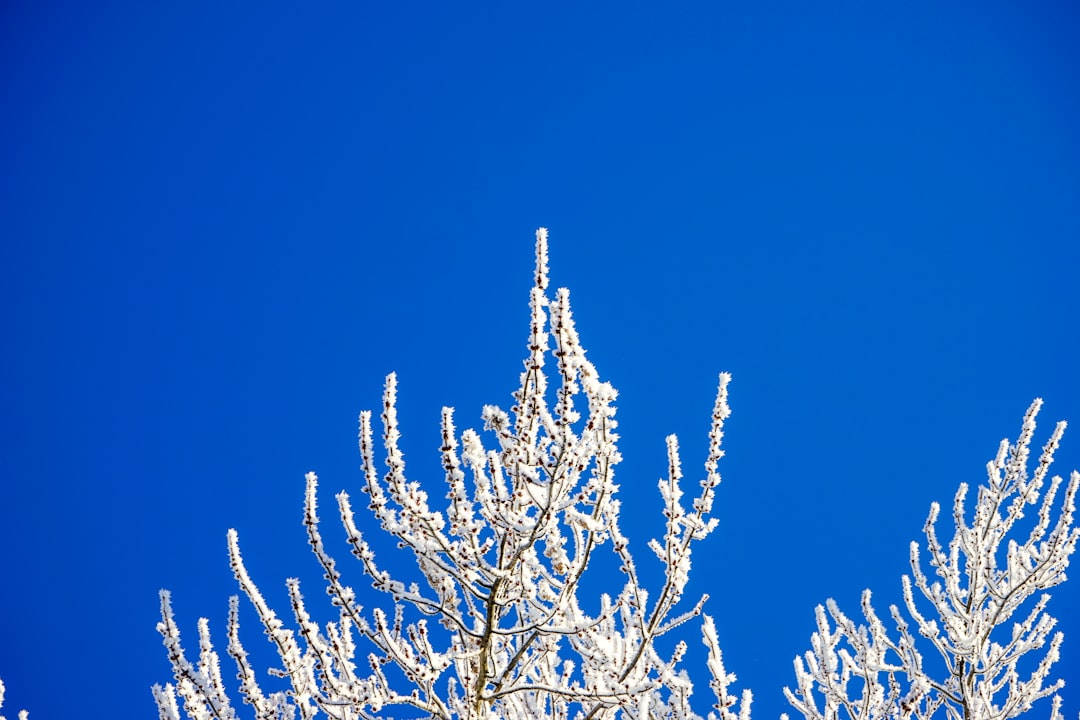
x=224 y=223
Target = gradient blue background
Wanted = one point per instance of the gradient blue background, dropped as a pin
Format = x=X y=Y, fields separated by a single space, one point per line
x=224 y=223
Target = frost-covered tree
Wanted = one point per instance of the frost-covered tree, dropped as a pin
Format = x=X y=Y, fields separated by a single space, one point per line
x=497 y=628
x=982 y=620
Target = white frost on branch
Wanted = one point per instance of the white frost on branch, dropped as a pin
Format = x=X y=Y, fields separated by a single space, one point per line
x=988 y=600
x=502 y=565
x=23 y=715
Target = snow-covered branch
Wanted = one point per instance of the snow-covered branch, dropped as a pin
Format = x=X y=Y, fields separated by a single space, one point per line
x=496 y=629
x=23 y=715
x=986 y=626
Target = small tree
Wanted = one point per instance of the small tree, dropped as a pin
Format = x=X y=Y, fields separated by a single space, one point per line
x=502 y=567
x=984 y=577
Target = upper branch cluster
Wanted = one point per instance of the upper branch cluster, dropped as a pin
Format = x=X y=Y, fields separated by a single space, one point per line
x=988 y=597
x=502 y=565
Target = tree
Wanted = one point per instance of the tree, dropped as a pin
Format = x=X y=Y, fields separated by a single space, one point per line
x=502 y=567
x=984 y=578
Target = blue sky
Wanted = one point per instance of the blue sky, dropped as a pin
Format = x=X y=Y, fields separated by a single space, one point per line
x=224 y=223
